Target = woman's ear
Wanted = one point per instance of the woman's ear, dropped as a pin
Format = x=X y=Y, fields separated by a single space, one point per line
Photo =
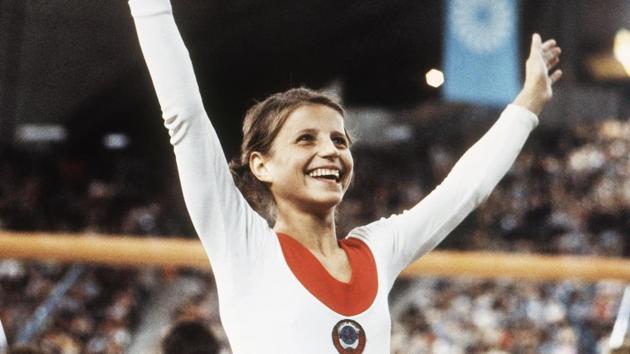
x=258 y=166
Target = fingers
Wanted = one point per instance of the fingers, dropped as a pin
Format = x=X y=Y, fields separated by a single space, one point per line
x=550 y=43
x=555 y=76
x=549 y=50
x=552 y=52
x=552 y=57
x=552 y=63
x=547 y=54
x=536 y=45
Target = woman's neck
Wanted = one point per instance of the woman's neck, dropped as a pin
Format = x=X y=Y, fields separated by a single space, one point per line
x=314 y=231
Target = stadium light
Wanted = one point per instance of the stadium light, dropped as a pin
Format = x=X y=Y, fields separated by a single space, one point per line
x=116 y=141
x=434 y=77
x=622 y=48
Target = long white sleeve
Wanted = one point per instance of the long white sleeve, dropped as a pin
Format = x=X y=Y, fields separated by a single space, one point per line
x=401 y=239
x=221 y=216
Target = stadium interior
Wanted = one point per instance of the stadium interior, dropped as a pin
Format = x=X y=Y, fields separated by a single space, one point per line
x=83 y=152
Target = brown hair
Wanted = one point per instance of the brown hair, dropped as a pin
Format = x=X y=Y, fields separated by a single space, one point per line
x=261 y=125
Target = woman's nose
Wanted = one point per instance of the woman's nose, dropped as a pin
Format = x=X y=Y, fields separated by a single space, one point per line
x=328 y=149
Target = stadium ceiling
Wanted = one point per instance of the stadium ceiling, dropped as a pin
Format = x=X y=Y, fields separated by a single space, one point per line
x=77 y=62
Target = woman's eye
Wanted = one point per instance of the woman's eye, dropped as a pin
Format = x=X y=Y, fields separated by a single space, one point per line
x=305 y=138
x=340 y=141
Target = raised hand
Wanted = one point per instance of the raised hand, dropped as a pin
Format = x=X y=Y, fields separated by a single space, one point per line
x=539 y=77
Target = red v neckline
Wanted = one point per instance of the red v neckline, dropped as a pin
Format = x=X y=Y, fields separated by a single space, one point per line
x=349 y=298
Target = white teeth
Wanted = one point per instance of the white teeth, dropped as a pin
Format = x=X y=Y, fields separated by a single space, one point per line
x=324 y=172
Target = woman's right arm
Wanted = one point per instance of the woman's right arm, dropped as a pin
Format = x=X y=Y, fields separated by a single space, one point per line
x=218 y=211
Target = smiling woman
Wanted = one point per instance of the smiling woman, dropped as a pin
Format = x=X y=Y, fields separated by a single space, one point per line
x=265 y=121
x=287 y=284
x=306 y=158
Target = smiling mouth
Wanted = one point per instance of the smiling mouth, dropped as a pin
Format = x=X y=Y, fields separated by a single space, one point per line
x=326 y=175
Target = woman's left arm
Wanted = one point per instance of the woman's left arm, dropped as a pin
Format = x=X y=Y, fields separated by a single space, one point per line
x=418 y=230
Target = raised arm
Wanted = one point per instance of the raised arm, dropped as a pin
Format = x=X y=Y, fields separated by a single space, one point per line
x=221 y=216
x=405 y=237
x=539 y=78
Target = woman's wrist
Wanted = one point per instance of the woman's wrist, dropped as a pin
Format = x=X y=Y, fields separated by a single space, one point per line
x=531 y=100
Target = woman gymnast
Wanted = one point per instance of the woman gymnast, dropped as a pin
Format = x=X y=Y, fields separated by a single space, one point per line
x=289 y=285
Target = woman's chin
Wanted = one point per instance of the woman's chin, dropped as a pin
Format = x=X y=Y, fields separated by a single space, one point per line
x=324 y=204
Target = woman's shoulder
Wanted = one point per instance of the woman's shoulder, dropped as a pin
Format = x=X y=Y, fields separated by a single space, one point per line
x=371 y=232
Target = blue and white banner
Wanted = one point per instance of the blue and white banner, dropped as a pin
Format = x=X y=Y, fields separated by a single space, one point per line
x=481 y=61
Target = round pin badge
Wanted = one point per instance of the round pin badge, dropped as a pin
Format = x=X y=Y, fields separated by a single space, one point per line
x=349 y=337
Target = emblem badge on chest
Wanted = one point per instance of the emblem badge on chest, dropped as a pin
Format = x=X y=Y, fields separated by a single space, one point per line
x=349 y=337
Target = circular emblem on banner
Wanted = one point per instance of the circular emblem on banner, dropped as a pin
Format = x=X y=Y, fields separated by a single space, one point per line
x=482 y=25
x=349 y=337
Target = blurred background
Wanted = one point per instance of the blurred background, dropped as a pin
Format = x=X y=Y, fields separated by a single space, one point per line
x=83 y=150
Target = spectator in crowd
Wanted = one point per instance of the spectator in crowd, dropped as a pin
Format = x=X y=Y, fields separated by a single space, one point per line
x=189 y=337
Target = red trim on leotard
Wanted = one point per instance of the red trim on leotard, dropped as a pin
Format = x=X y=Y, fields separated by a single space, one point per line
x=347 y=299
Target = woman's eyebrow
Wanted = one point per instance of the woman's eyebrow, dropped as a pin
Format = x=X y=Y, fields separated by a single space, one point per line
x=307 y=131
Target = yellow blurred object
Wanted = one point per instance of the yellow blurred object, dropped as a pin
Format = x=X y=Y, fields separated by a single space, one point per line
x=622 y=48
x=177 y=252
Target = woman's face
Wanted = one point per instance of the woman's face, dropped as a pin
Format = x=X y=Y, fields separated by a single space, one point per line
x=310 y=164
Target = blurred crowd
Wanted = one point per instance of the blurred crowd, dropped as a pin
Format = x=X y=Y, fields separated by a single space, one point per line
x=96 y=315
x=463 y=316
x=569 y=193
